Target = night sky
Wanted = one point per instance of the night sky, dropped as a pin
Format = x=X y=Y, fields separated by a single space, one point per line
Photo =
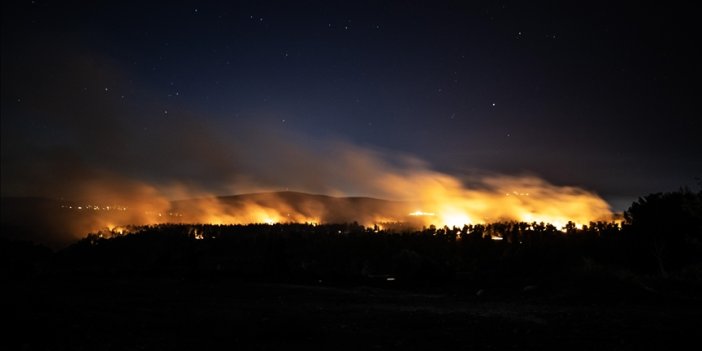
x=601 y=96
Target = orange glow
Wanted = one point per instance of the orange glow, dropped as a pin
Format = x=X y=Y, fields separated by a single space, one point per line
x=454 y=219
x=418 y=197
x=441 y=204
x=445 y=201
x=421 y=213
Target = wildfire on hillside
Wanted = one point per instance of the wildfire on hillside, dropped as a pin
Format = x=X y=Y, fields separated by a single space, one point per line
x=416 y=196
x=535 y=201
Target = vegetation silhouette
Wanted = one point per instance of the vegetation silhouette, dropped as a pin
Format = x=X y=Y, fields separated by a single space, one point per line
x=186 y=286
x=661 y=236
x=667 y=227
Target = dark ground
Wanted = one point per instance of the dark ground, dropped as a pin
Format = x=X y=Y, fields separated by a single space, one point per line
x=165 y=313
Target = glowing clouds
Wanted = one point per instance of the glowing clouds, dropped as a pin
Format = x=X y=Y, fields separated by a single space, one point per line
x=418 y=195
x=442 y=199
x=500 y=198
x=425 y=198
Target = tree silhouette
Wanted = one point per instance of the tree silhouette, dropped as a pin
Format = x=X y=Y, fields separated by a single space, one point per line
x=670 y=224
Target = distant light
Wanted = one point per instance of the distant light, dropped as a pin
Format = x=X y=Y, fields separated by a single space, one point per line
x=421 y=213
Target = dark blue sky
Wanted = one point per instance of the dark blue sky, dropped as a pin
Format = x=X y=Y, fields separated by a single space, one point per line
x=597 y=95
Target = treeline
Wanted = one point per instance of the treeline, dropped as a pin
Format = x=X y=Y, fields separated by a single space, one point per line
x=661 y=236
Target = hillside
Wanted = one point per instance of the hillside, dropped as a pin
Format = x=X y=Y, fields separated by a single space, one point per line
x=59 y=222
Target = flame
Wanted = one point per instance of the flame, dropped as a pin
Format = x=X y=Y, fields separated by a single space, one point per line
x=455 y=219
x=438 y=201
x=421 y=213
x=445 y=201
x=446 y=205
x=420 y=197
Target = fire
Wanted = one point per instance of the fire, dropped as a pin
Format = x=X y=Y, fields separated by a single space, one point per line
x=449 y=205
x=446 y=203
x=419 y=196
x=421 y=213
x=455 y=219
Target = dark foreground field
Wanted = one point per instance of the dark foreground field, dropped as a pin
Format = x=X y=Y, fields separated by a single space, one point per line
x=346 y=287
x=146 y=313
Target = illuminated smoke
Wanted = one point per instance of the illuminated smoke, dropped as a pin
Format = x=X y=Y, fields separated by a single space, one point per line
x=421 y=196
x=103 y=162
